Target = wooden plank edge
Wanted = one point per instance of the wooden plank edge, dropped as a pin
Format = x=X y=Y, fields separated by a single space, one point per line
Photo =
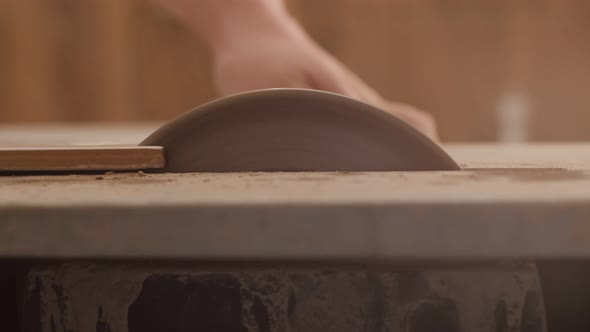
x=88 y=158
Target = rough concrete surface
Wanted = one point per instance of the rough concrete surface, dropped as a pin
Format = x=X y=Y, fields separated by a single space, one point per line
x=144 y=297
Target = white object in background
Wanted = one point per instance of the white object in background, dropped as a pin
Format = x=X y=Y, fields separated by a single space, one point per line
x=513 y=112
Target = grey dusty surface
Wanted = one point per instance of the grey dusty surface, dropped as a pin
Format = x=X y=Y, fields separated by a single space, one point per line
x=298 y=216
x=526 y=201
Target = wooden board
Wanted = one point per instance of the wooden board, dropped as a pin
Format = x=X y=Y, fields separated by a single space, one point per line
x=470 y=56
x=50 y=159
x=78 y=147
x=470 y=156
x=75 y=134
x=489 y=156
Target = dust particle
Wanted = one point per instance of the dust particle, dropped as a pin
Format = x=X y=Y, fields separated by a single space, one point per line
x=99 y=178
x=140 y=174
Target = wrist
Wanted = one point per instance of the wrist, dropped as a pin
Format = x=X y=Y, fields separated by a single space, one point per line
x=230 y=22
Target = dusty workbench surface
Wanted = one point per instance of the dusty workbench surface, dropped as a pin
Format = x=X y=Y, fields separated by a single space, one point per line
x=513 y=202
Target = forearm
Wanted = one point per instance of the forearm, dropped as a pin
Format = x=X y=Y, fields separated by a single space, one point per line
x=221 y=23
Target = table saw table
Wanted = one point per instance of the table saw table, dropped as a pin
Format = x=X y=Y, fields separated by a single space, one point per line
x=515 y=210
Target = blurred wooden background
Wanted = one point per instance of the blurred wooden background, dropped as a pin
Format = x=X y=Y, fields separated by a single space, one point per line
x=487 y=69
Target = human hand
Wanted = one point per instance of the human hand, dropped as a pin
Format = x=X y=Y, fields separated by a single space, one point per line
x=256 y=44
x=294 y=61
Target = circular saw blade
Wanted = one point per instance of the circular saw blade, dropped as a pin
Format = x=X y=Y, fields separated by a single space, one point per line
x=294 y=130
